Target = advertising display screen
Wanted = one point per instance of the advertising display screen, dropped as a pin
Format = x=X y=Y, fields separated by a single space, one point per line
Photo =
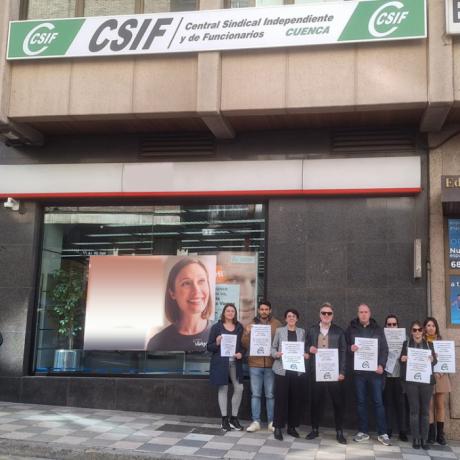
x=454 y=243
x=455 y=300
x=154 y=303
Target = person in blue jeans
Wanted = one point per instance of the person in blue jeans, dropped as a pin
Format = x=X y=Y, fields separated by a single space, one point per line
x=260 y=369
x=366 y=327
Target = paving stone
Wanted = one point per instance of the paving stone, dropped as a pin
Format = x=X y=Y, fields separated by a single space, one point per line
x=181 y=450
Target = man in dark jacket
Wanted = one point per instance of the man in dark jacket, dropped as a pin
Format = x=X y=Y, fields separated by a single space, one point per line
x=366 y=327
x=325 y=334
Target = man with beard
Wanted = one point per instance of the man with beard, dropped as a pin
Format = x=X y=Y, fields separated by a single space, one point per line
x=260 y=369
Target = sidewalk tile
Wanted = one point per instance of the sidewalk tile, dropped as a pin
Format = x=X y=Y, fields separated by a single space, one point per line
x=163 y=440
x=73 y=440
x=239 y=454
x=218 y=445
x=126 y=445
x=181 y=450
x=273 y=450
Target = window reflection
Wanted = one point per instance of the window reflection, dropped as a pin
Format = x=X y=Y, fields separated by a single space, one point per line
x=233 y=234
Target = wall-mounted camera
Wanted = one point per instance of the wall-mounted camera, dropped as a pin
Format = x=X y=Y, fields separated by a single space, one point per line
x=12 y=204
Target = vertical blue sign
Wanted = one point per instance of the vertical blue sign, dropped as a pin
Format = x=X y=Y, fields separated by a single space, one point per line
x=454 y=243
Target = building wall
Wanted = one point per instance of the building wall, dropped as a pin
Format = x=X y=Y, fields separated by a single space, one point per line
x=18 y=268
x=342 y=250
x=444 y=160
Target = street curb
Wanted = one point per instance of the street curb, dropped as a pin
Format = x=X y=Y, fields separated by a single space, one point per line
x=57 y=451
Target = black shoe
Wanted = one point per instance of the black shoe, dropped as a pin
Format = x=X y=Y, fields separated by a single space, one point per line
x=403 y=436
x=225 y=424
x=425 y=446
x=235 y=424
x=416 y=443
x=293 y=432
x=440 y=438
x=313 y=434
x=278 y=434
x=340 y=437
x=431 y=434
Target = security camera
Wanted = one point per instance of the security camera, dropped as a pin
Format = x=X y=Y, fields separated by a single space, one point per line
x=12 y=204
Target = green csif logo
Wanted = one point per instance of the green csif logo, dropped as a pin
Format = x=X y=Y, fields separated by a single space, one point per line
x=386 y=19
x=42 y=38
x=39 y=39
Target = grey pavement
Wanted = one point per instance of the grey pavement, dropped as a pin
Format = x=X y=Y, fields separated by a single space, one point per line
x=36 y=432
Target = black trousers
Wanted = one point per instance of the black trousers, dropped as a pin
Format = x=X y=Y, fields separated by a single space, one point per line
x=288 y=399
x=419 y=396
x=318 y=393
x=395 y=404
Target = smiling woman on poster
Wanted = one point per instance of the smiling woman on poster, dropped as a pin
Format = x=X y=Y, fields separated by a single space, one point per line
x=188 y=307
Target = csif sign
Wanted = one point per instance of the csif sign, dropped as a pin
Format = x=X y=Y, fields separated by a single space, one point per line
x=219 y=30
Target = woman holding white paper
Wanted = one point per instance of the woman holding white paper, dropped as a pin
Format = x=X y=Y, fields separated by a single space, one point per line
x=441 y=388
x=418 y=394
x=393 y=394
x=288 y=384
x=225 y=368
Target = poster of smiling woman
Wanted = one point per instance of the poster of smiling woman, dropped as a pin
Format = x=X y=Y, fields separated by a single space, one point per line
x=155 y=303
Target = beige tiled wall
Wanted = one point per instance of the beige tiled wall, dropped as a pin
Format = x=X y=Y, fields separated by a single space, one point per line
x=443 y=161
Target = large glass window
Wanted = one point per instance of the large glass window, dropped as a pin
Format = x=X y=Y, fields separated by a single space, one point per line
x=135 y=289
x=160 y=6
x=38 y=9
x=252 y=3
x=249 y=3
x=109 y=7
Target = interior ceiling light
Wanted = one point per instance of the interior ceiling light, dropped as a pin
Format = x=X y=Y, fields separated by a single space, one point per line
x=229 y=209
x=103 y=235
x=91 y=243
x=199 y=247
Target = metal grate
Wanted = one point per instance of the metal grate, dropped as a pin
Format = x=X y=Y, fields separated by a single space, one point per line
x=177 y=144
x=373 y=142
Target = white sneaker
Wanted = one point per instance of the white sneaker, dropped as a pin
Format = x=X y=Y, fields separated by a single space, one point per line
x=360 y=437
x=384 y=439
x=254 y=426
x=271 y=427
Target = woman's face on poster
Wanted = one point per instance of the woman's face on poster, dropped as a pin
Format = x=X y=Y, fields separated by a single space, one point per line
x=191 y=289
x=244 y=275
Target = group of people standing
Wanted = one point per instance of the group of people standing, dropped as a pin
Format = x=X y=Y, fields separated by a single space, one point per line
x=284 y=390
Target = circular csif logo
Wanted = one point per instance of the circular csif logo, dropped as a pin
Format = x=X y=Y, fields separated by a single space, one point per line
x=386 y=19
x=39 y=39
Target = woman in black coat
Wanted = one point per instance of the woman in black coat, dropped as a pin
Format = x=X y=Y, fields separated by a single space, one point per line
x=224 y=368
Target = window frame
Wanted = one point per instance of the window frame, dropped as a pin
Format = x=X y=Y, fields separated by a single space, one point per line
x=32 y=356
x=80 y=8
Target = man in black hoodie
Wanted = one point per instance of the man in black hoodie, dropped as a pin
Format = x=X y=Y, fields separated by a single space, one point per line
x=366 y=327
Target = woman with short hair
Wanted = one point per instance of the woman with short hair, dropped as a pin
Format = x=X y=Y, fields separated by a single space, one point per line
x=288 y=384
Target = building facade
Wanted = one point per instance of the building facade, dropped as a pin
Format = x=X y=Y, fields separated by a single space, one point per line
x=310 y=170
